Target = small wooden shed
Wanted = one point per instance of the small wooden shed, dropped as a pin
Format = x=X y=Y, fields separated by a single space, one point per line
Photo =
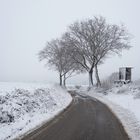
x=125 y=74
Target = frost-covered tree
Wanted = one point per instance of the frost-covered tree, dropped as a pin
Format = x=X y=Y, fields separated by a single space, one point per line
x=56 y=57
x=92 y=40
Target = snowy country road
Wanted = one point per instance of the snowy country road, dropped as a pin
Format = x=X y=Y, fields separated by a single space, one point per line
x=85 y=119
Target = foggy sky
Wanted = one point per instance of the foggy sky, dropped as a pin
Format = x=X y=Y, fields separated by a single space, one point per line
x=26 y=26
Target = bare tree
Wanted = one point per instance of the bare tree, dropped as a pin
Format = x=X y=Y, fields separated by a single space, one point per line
x=98 y=84
x=91 y=41
x=56 y=57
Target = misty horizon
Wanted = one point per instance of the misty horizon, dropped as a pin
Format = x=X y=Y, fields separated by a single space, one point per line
x=26 y=26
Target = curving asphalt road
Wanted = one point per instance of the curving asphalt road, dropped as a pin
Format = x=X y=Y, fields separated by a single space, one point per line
x=85 y=119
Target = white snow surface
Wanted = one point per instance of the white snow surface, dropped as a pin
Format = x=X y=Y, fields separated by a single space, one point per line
x=124 y=101
x=26 y=106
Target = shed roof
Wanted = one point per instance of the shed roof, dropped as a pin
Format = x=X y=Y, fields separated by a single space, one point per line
x=125 y=67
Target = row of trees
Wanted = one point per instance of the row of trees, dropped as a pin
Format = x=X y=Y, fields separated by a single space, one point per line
x=84 y=46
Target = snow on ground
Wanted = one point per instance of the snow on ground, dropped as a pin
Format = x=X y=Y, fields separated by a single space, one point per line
x=9 y=86
x=24 y=107
x=124 y=101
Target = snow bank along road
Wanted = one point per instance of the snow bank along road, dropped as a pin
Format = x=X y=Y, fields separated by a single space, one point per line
x=85 y=119
x=24 y=110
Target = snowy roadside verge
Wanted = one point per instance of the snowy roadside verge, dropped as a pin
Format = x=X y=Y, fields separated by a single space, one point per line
x=23 y=111
x=122 y=108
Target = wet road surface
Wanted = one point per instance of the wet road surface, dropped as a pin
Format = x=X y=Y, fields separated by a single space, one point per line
x=85 y=119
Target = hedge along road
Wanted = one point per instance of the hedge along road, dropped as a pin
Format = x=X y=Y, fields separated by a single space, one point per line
x=85 y=119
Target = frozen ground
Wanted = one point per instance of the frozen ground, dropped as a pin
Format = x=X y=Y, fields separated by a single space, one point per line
x=26 y=106
x=124 y=101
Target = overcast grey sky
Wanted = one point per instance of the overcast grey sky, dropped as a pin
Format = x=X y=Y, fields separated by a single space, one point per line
x=26 y=25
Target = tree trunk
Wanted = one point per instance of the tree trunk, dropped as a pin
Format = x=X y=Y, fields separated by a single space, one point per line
x=64 y=80
x=60 y=78
x=98 y=84
x=90 y=78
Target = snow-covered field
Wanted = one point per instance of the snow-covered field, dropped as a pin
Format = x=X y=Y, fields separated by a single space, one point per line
x=26 y=106
x=124 y=101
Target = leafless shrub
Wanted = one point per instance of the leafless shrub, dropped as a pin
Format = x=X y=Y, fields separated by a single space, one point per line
x=77 y=87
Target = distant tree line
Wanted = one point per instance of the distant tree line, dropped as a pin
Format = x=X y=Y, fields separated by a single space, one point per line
x=83 y=47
